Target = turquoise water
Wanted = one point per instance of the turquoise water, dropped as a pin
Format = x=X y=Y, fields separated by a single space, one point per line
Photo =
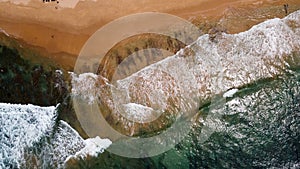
x=257 y=128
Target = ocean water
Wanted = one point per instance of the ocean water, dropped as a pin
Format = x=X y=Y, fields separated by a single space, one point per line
x=32 y=137
x=256 y=74
x=257 y=128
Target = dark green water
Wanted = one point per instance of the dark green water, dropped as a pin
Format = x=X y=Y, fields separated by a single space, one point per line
x=257 y=128
x=24 y=82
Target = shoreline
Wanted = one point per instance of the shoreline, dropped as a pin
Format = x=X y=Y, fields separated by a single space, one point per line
x=59 y=33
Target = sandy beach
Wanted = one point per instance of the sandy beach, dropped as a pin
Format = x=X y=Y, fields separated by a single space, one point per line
x=59 y=29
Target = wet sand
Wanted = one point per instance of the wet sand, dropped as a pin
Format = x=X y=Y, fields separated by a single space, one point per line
x=60 y=32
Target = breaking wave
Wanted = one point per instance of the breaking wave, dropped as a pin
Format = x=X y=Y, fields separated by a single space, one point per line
x=29 y=138
x=203 y=69
x=31 y=135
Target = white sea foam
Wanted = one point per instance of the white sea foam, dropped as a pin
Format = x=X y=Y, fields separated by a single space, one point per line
x=230 y=93
x=231 y=61
x=93 y=147
x=84 y=85
x=3 y=31
x=67 y=143
x=138 y=113
x=23 y=126
x=59 y=71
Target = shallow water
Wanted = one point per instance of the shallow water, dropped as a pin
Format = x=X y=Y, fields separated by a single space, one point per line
x=256 y=126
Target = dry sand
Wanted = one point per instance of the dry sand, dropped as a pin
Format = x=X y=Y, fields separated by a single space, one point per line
x=61 y=29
